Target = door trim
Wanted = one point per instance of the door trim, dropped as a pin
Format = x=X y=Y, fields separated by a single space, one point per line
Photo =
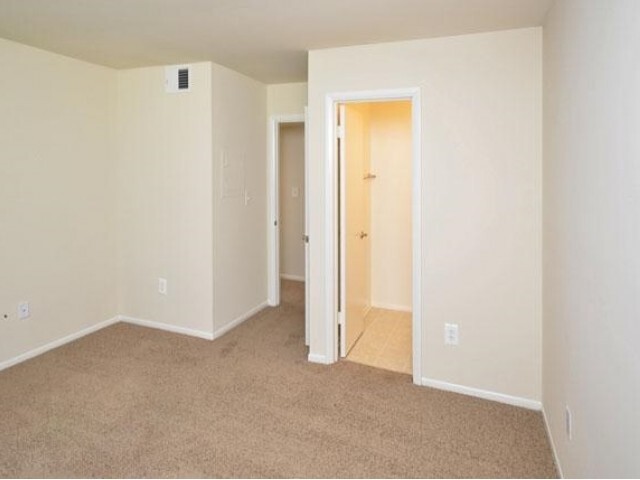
x=307 y=246
x=331 y=188
x=341 y=150
x=273 y=208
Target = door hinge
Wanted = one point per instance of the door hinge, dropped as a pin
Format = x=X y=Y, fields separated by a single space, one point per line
x=275 y=223
x=305 y=238
x=340 y=131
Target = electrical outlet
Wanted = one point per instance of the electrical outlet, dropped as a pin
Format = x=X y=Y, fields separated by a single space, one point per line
x=23 y=310
x=451 y=334
x=568 y=422
x=162 y=286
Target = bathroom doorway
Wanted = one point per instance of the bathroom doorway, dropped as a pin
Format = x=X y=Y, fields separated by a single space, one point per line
x=375 y=233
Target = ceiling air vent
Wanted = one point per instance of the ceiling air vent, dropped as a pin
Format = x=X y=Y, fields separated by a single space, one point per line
x=177 y=78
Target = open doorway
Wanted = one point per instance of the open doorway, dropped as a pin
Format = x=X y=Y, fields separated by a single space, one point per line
x=334 y=320
x=375 y=247
x=288 y=205
x=291 y=211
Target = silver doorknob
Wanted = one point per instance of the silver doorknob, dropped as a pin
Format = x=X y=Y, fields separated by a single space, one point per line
x=362 y=235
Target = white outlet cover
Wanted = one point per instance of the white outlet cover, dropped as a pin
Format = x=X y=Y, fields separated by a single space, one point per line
x=23 y=310
x=162 y=286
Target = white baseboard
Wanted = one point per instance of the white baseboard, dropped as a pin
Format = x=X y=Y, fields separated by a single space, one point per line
x=295 y=278
x=553 y=444
x=234 y=323
x=487 y=395
x=134 y=321
x=391 y=306
x=57 y=343
x=166 y=327
x=316 y=358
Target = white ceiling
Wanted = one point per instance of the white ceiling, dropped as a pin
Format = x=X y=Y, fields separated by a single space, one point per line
x=265 y=39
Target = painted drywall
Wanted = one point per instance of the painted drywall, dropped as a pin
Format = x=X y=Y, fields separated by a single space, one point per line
x=390 y=138
x=591 y=235
x=240 y=201
x=481 y=156
x=164 y=198
x=57 y=247
x=291 y=202
x=286 y=98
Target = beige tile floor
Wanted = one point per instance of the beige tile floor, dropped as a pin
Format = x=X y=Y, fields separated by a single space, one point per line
x=386 y=341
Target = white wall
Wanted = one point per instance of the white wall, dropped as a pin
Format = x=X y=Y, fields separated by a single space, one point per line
x=390 y=137
x=185 y=163
x=164 y=198
x=57 y=240
x=113 y=183
x=286 y=98
x=591 y=235
x=291 y=207
x=481 y=153
x=240 y=240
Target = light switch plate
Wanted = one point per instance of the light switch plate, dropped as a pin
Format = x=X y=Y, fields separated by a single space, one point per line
x=451 y=334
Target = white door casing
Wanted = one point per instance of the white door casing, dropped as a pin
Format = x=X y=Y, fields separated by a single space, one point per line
x=307 y=254
x=273 y=220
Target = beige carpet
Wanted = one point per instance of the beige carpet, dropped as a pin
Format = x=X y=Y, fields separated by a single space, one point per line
x=134 y=402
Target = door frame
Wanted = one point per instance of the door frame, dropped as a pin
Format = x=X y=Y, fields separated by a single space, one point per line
x=273 y=214
x=332 y=100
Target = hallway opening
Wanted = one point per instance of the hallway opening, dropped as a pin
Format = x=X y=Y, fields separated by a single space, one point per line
x=288 y=251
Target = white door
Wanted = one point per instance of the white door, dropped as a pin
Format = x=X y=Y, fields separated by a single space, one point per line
x=355 y=215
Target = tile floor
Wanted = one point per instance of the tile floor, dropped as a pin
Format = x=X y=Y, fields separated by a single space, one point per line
x=386 y=341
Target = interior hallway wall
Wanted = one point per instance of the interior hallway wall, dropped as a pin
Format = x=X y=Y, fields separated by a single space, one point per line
x=592 y=234
x=391 y=227
x=57 y=210
x=292 y=200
